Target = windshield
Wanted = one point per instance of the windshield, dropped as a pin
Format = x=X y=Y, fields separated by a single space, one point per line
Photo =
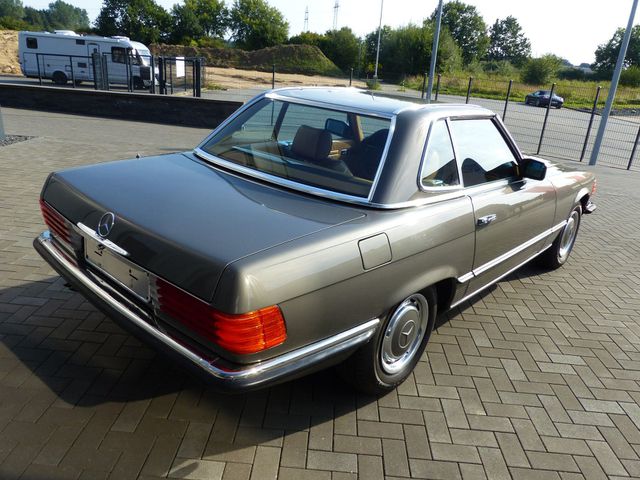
x=143 y=57
x=329 y=149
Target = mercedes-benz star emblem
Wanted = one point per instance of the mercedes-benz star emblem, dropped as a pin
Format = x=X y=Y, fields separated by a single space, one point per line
x=405 y=334
x=106 y=224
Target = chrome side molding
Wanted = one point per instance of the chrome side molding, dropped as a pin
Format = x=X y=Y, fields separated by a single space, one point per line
x=514 y=251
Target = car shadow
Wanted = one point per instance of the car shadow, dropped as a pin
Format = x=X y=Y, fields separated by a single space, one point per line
x=53 y=342
x=526 y=271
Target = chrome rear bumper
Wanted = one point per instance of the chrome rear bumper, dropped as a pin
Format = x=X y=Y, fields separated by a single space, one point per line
x=231 y=378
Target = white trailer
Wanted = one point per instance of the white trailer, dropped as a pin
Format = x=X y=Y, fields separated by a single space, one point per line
x=64 y=56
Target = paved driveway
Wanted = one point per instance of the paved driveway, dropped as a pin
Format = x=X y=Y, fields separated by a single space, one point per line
x=538 y=378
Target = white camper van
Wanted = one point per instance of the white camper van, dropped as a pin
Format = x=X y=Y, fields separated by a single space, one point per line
x=63 y=56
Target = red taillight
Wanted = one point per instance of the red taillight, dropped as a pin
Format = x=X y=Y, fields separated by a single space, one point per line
x=56 y=222
x=594 y=187
x=243 y=334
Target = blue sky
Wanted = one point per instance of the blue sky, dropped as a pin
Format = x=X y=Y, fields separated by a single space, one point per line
x=569 y=28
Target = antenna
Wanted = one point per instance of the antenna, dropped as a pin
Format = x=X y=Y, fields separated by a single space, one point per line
x=336 y=7
x=306 y=19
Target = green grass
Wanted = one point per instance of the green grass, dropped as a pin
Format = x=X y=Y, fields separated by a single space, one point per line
x=576 y=93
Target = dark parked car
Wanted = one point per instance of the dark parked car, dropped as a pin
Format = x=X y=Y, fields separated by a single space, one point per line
x=541 y=98
x=313 y=227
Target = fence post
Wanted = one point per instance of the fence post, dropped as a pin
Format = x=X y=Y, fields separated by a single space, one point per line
x=593 y=115
x=38 y=63
x=351 y=76
x=633 y=152
x=2 y=134
x=104 y=65
x=171 y=76
x=546 y=117
x=469 y=89
x=73 y=77
x=424 y=85
x=438 y=87
x=273 y=76
x=161 y=75
x=506 y=101
x=152 y=76
x=197 y=86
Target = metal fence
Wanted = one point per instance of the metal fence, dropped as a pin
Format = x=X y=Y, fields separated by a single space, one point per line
x=108 y=70
x=542 y=129
x=566 y=132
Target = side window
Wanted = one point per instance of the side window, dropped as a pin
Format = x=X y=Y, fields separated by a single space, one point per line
x=32 y=42
x=484 y=154
x=118 y=54
x=439 y=167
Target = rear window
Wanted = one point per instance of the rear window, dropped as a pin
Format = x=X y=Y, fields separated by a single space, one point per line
x=32 y=42
x=325 y=148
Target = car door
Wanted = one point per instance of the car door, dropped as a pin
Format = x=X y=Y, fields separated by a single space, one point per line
x=513 y=214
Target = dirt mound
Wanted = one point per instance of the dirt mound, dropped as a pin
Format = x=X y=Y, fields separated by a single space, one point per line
x=301 y=59
x=9 y=52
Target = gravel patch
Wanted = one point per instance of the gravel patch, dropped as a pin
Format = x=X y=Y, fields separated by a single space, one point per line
x=10 y=139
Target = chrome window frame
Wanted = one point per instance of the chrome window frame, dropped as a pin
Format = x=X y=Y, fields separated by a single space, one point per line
x=445 y=188
x=508 y=139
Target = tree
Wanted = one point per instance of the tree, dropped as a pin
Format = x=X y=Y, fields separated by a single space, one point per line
x=538 y=71
x=141 y=20
x=607 y=53
x=406 y=50
x=467 y=28
x=308 y=38
x=62 y=15
x=11 y=9
x=257 y=25
x=341 y=47
x=507 y=42
x=198 y=19
x=37 y=18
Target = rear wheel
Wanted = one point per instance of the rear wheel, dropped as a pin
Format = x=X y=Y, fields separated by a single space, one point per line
x=59 y=78
x=138 y=83
x=391 y=355
x=558 y=253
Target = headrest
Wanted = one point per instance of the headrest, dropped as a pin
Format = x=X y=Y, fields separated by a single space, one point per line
x=312 y=143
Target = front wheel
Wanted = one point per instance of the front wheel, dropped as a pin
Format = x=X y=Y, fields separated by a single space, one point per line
x=558 y=253
x=391 y=355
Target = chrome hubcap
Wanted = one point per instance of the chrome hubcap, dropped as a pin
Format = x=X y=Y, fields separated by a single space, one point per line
x=568 y=236
x=404 y=334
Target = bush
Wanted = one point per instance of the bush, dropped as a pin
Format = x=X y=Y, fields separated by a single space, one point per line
x=538 y=71
x=501 y=68
x=573 y=74
x=631 y=77
x=10 y=23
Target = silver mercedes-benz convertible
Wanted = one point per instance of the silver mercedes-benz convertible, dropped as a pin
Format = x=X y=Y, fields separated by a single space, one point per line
x=314 y=227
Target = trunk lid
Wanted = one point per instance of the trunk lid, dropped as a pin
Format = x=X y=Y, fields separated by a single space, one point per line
x=185 y=220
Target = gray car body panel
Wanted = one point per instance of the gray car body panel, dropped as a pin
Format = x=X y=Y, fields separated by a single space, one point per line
x=243 y=243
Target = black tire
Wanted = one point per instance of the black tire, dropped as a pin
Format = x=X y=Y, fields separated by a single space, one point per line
x=78 y=82
x=558 y=253
x=138 y=83
x=395 y=349
x=59 y=78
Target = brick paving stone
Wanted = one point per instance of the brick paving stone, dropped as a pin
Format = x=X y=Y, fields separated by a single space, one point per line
x=536 y=378
x=196 y=469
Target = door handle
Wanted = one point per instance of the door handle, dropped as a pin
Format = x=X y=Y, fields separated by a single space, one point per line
x=486 y=220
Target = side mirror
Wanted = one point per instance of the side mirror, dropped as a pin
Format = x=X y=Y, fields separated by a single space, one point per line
x=337 y=127
x=534 y=169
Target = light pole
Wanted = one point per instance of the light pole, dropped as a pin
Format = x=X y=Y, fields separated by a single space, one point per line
x=375 y=73
x=614 y=86
x=434 y=52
